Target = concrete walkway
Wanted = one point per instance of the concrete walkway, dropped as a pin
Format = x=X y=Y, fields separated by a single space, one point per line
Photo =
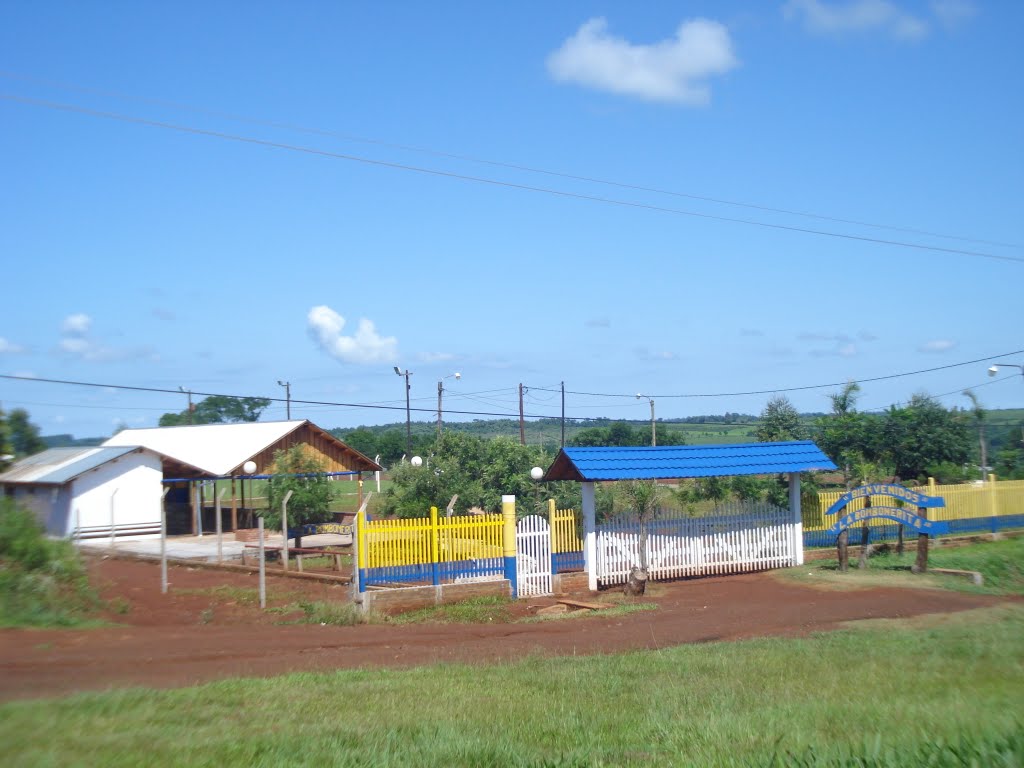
x=201 y=547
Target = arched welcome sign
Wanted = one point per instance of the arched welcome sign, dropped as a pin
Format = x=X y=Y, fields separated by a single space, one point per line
x=906 y=515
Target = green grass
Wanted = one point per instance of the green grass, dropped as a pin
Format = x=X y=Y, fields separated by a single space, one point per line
x=43 y=582
x=1001 y=564
x=947 y=691
x=478 y=610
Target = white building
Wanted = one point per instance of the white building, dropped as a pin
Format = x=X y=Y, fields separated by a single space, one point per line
x=90 y=492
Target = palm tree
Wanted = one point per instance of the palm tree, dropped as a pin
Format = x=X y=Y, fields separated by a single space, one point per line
x=643 y=497
x=979 y=419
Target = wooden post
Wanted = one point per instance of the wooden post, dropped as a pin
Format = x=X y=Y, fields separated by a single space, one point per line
x=921 y=564
x=284 y=530
x=163 y=540
x=899 y=540
x=263 y=567
x=234 y=507
x=843 y=550
x=220 y=527
x=865 y=534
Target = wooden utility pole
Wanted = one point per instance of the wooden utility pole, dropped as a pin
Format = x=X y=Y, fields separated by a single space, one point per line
x=522 y=427
x=563 y=414
x=288 y=397
x=189 y=393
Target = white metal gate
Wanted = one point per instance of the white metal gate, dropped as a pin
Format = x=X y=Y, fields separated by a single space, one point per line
x=533 y=556
x=742 y=538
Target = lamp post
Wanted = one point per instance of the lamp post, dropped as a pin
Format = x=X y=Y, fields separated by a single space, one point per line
x=654 y=434
x=440 y=392
x=288 y=397
x=408 y=424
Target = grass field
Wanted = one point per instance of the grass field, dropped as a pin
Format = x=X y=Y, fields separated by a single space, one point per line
x=937 y=691
x=1001 y=564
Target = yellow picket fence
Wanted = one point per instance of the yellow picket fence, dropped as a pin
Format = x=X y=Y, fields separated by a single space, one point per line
x=564 y=530
x=416 y=541
x=992 y=498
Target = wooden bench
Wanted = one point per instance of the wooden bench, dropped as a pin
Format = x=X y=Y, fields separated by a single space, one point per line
x=294 y=553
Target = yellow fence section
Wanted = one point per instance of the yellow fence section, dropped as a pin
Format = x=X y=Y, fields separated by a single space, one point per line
x=565 y=535
x=982 y=499
x=415 y=541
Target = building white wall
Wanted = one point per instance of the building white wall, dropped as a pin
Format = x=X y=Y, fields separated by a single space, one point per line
x=130 y=486
x=48 y=502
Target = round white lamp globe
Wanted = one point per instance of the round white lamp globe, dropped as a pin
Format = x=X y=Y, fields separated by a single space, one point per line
x=416 y=461
x=249 y=467
x=536 y=473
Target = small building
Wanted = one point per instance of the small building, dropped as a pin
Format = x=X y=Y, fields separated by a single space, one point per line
x=90 y=492
x=202 y=460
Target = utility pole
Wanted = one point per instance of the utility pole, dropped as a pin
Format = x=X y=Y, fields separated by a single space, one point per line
x=288 y=397
x=654 y=434
x=440 y=392
x=408 y=423
x=189 y=393
x=522 y=428
x=563 y=414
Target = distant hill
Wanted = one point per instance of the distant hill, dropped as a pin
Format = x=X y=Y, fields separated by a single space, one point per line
x=67 y=441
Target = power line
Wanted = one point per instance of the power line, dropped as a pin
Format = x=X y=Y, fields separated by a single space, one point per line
x=485 y=161
x=809 y=386
x=495 y=182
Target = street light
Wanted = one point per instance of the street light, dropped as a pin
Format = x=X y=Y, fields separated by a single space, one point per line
x=994 y=369
x=408 y=424
x=654 y=434
x=440 y=391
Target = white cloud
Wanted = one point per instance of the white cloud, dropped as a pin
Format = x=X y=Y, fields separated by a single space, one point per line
x=365 y=346
x=76 y=341
x=435 y=357
x=674 y=70
x=643 y=353
x=937 y=345
x=836 y=18
x=953 y=13
x=9 y=347
x=76 y=325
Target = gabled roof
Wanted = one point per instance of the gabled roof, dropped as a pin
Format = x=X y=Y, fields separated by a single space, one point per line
x=219 y=449
x=57 y=466
x=680 y=461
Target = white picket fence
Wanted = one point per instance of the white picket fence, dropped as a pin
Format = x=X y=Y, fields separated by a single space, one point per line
x=533 y=556
x=741 y=537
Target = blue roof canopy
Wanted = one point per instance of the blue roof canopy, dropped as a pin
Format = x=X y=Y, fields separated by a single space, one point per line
x=681 y=461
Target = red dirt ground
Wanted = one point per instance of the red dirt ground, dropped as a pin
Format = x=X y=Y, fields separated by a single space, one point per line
x=189 y=637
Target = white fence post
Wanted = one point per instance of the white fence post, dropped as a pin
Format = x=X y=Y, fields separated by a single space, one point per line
x=798 y=521
x=589 y=535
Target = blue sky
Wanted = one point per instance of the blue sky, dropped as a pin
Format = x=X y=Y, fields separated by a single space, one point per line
x=162 y=257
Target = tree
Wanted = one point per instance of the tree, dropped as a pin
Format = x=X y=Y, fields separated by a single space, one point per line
x=297 y=471
x=6 y=448
x=845 y=435
x=923 y=434
x=779 y=421
x=24 y=435
x=979 y=420
x=643 y=497
x=218 y=409
x=479 y=471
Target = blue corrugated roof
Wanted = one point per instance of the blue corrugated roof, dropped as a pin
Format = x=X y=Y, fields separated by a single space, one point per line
x=680 y=461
